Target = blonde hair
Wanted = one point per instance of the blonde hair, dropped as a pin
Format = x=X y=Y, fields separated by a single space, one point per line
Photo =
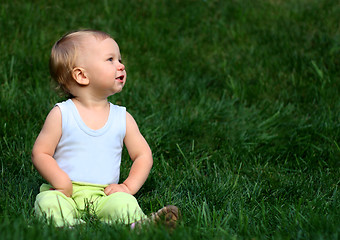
x=64 y=55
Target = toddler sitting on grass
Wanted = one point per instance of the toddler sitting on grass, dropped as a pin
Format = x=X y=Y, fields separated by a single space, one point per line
x=78 y=150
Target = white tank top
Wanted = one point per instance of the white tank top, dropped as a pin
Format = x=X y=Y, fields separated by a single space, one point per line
x=87 y=155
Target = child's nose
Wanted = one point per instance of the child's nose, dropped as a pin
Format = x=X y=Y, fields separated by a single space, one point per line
x=121 y=67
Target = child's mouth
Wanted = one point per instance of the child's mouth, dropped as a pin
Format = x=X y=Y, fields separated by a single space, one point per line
x=120 y=78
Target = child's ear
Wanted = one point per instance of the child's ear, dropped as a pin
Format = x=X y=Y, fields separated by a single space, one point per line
x=79 y=75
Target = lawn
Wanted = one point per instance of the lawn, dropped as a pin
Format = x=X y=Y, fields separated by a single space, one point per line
x=238 y=100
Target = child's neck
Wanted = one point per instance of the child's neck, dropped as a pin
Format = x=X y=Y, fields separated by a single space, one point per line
x=93 y=113
x=91 y=103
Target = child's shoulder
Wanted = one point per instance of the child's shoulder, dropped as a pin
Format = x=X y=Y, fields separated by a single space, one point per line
x=117 y=107
x=67 y=102
x=54 y=114
x=53 y=120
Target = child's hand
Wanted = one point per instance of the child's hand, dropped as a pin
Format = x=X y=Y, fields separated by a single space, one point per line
x=112 y=188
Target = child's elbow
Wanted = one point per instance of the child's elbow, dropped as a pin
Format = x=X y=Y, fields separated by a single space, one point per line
x=151 y=163
x=149 y=158
x=34 y=155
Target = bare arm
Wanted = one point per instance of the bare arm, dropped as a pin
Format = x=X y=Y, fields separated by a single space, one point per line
x=43 y=150
x=141 y=155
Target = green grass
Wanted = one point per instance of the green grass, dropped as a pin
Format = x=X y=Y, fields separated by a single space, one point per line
x=239 y=101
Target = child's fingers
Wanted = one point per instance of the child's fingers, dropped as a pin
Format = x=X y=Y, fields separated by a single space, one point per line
x=112 y=188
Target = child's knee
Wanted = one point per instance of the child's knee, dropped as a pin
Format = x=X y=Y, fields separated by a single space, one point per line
x=122 y=207
x=54 y=205
x=122 y=200
x=51 y=201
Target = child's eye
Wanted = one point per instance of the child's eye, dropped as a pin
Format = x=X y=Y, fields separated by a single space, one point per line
x=120 y=60
x=110 y=59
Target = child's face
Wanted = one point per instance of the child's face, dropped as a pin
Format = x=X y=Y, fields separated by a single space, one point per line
x=101 y=60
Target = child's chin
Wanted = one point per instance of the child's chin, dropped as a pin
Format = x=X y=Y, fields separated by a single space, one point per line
x=119 y=90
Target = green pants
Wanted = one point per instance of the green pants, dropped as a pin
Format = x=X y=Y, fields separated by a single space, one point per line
x=118 y=207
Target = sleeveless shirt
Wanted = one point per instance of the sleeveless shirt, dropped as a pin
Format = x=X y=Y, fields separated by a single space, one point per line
x=87 y=155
